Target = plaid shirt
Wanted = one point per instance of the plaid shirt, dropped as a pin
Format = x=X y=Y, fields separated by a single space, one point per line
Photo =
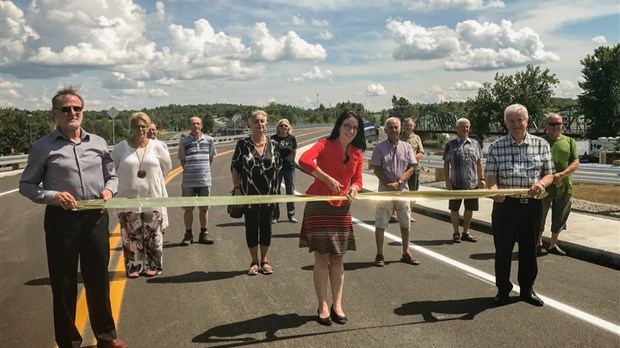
x=519 y=165
x=463 y=156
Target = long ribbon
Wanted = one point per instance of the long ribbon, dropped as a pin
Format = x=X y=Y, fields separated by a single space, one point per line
x=170 y=202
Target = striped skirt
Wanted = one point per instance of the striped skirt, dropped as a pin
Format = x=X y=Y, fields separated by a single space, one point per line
x=327 y=229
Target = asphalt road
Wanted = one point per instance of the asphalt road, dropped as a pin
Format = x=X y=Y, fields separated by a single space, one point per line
x=205 y=299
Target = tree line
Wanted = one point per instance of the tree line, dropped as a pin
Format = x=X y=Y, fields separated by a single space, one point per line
x=599 y=103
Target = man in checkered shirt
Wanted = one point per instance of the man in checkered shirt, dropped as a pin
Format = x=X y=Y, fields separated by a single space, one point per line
x=517 y=160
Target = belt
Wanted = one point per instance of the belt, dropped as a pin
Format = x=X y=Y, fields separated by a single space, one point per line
x=523 y=199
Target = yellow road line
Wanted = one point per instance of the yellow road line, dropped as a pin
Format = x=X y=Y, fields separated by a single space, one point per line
x=118 y=281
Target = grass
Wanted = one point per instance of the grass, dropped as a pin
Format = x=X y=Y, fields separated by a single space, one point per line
x=598 y=193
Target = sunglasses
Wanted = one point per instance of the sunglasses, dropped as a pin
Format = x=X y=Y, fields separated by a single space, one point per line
x=554 y=124
x=68 y=108
x=283 y=126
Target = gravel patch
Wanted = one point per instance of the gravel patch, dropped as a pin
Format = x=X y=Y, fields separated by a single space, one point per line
x=592 y=208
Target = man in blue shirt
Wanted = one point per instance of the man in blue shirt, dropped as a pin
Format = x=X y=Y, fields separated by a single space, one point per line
x=73 y=165
x=463 y=171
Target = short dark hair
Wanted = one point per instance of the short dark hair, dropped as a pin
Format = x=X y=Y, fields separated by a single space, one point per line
x=360 y=139
x=69 y=90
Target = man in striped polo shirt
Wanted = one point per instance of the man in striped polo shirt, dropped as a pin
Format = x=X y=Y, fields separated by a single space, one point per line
x=196 y=153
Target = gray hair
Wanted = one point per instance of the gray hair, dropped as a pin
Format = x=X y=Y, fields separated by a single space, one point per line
x=462 y=120
x=255 y=114
x=409 y=119
x=390 y=119
x=65 y=91
x=515 y=109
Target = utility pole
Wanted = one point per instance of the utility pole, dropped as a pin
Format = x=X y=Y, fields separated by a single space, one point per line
x=29 y=114
x=317 y=101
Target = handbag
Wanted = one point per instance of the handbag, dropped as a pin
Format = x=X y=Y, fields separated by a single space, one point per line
x=234 y=210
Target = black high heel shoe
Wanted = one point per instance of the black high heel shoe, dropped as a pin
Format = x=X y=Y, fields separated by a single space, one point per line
x=323 y=321
x=337 y=318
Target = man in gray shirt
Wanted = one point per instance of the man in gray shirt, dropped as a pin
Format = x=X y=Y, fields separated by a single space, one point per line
x=73 y=165
x=196 y=153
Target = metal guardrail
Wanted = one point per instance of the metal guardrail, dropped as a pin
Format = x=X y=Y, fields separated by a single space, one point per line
x=16 y=160
x=587 y=172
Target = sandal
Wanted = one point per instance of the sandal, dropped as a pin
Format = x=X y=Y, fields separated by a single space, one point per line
x=456 y=237
x=407 y=258
x=379 y=261
x=253 y=269
x=468 y=237
x=268 y=269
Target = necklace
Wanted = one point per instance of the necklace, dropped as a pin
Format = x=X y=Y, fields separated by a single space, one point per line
x=141 y=172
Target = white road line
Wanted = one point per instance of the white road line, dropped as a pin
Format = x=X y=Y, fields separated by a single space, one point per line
x=7 y=192
x=596 y=321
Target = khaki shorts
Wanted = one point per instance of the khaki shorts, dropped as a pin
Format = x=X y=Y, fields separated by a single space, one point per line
x=384 y=211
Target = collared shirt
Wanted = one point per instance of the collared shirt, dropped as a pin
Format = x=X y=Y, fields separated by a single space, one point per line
x=519 y=165
x=415 y=142
x=463 y=156
x=83 y=169
x=393 y=159
x=197 y=155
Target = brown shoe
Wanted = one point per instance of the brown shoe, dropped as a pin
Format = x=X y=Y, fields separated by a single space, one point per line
x=468 y=237
x=379 y=261
x=116 y=343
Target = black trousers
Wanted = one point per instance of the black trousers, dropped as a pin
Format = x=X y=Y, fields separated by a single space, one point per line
x=516 y=220
x=71 y=237
x=258 y=225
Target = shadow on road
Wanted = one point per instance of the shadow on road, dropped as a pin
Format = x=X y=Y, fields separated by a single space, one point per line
x=433 y=242
x=195 y=277
x=237 y=333
x=114 y=276
x=434 y=311
x=491 y=256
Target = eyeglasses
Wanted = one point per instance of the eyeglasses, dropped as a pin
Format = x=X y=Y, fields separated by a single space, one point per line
x=349 y=127
x=68 y=108
x=346 y=158
x=554 y=124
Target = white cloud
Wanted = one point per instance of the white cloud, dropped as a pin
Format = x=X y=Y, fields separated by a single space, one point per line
x=158 y=93
x=326 y=35
x=161 y=11
x=320 y=22
x=471 y=45
x=15 y=33
x=266 y=47
x=297 y=20
x=567 y=89
x=314 y=74
x=166 y=82
x=417 y=42
x=599 y=40
x=467 y=86
x=470 y=5
x=375 y=90
x=121 y=81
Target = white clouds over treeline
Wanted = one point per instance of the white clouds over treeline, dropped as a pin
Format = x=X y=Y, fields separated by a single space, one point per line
x=471 y=45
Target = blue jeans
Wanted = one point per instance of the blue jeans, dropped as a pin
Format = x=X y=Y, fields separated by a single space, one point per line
x=289 y=184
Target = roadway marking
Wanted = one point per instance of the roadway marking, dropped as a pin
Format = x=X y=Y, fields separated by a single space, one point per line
x=476 y=273
x=7 y=192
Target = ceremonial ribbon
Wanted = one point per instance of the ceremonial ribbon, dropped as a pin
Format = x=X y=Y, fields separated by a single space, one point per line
x=170 y=202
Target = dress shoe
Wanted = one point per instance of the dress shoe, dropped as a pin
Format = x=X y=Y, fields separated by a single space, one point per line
x=556 y=250
x=501 y=299
x=541 y=251
x=531 y=298
x=323 y=321
x=116 y=343
x=337 y=318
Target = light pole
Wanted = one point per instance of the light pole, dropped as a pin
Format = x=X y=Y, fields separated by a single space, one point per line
x=29 y=114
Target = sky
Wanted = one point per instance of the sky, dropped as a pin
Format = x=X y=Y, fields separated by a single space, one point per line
x=134 y=54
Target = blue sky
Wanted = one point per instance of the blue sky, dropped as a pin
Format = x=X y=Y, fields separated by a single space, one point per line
x=134 y=54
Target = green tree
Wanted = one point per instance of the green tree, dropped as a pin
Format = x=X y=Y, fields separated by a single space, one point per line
x=600 y=100
x=401 y=108
x=532 y=88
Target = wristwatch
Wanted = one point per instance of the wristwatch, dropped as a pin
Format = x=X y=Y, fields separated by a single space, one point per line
x=400 y=182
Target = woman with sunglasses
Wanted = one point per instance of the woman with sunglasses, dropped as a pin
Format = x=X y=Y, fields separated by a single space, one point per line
x=287 y=147
x=141 y=166
x=336 y=164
